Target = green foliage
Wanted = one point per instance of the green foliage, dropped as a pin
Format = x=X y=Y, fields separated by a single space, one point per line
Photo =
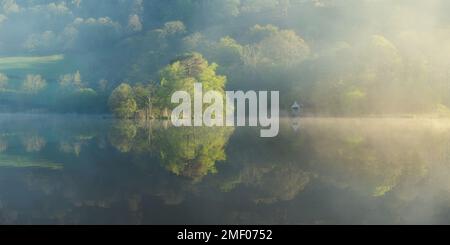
x=331 y=65
x=274 y=47
x=192 y=152
x=227 y=52
x=283 y=183
x=122 y=135
x=143 y=95
x=173 y=28
x=183 y=73
x=189 y=152
x=122 y=102
x=258 y=32
x=153 y=50
x=283 y=48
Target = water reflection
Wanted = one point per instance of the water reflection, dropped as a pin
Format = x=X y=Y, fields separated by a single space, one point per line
x=188 y=152
x=91 y=170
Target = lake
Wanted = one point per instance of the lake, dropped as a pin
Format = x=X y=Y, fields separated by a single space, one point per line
x=68 y=169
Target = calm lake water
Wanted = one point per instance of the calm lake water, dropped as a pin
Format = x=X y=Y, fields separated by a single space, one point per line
x=91 y=170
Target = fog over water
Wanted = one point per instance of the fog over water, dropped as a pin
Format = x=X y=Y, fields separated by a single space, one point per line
x=328 y=171
x=85 y=89
x=336 y=57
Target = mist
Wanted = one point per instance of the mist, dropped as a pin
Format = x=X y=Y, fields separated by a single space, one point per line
x=85 y=105
x=339 y=58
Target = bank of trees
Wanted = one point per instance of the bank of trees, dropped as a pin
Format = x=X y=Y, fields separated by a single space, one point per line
x=367 y=75
x=330 y=65
x=67 y=93
x=154 y=100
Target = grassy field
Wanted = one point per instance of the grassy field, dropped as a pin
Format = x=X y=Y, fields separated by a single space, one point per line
x=13 y=63
x=18 y=67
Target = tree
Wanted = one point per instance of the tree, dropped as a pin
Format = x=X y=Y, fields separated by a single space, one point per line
x=34 y=84
x=173 y=28
x=71 y=81
x=122 y=102
x=275 y=47
x=227 y=52
x=181 y=75
x=144 y=96
x=152 y=50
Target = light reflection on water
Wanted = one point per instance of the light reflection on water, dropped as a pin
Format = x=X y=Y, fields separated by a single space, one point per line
x=93 y=170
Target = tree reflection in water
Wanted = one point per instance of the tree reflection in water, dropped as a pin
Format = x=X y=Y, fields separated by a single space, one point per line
x=94 y=170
